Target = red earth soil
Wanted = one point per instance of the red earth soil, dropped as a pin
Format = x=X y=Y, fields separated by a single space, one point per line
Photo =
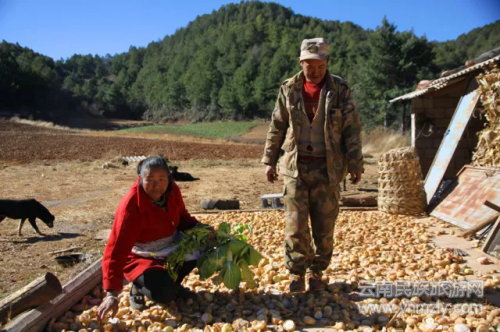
x=21 y=143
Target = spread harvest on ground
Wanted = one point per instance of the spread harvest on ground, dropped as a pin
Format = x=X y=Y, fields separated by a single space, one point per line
x=202 y=98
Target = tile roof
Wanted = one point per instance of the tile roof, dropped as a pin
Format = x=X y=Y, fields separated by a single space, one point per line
x=445 y=81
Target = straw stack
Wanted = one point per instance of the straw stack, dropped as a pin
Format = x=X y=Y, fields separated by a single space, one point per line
x=487 y=152
x=401 y=189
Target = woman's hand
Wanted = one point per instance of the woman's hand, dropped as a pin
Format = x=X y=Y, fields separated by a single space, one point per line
x=110 y=302
x=212 y=237
x=207 y=226
x=212 y=231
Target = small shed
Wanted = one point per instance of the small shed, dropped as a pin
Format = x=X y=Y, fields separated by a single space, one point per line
x=445 y=120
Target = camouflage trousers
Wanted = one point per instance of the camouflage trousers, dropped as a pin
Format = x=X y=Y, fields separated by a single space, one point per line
x=312 y=195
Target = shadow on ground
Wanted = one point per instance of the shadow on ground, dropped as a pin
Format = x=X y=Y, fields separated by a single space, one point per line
x=48 y=238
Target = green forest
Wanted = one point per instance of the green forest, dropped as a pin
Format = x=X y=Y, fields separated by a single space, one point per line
x=229 y=65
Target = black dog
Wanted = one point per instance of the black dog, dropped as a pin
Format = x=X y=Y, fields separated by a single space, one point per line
x=180 y=176
x=26 y=209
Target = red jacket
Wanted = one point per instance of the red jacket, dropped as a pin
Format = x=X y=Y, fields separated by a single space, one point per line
x=138 y=219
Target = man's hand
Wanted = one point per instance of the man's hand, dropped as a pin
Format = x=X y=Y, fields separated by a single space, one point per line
x=271 y=173
x=355 y=177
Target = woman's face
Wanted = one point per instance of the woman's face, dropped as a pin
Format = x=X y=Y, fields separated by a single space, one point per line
x=155 y=183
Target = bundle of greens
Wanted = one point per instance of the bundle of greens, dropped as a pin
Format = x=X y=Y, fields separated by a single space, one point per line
x=231 y=258
x=191 y=241
x=230 y=254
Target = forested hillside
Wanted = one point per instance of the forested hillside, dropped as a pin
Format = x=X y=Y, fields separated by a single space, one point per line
x=229 y=65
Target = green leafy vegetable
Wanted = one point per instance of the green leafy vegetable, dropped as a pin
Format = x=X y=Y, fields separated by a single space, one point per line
x=232 y=275
x=239 y=232
x=206 y=269
x=224 y=228
x=232 y=255
x=236 y=247
x=192 y=240
x=246 y=274
x=253 y=257
x=218 y=257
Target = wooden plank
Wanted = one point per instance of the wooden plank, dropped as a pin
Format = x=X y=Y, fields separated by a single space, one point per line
x=359 y=201
x=478 y=227
x=342 y=208
x=451 y=139
x=36 y=293
x=492 y=205
x=240 y=211
x=35 y=320
x=491 y=236
x=64 y=250
x=496 y=228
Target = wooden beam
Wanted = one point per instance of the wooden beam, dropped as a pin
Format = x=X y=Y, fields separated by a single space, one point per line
x=64 y=250
x=30 y=296
x=342 y=208
x=35 y=320
x=358 y=208
x=491 y=236
x=359 y=201
x=492 y=205
x=478 y=227
x=220 y=211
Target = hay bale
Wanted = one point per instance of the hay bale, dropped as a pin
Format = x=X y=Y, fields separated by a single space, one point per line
x=401 y=189
x=487 y=152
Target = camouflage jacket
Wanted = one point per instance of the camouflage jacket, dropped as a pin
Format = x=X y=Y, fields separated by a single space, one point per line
x=342 y=128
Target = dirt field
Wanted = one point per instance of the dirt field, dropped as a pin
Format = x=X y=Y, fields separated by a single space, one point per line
x=25 y=144
x=256 y=135
x=64 y=171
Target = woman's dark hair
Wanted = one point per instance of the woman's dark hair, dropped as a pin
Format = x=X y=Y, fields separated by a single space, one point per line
x=155 y=162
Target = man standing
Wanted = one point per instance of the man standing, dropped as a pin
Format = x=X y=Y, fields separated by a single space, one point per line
x=315 y=129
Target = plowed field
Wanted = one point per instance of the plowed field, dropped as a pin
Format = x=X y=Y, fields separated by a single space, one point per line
x=20 y=143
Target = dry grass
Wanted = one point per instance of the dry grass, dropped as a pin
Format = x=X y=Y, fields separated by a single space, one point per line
x=45 y=124
x=51 y=125
x=379 y=141
x=211 y=163
x=487 y=152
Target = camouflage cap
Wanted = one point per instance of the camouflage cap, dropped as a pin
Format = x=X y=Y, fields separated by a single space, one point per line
x=316 y=48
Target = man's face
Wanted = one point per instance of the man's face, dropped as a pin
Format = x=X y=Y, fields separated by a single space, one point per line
x=314 y=70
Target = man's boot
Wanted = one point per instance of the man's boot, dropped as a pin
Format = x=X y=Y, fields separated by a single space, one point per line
x=298 y=283
x=315 y=282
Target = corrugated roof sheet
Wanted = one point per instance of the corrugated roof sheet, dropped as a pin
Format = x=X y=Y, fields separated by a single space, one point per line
x=444 y=81
x=464 y=206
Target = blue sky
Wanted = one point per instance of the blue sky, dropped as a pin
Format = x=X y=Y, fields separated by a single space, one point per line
x=62 y=28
